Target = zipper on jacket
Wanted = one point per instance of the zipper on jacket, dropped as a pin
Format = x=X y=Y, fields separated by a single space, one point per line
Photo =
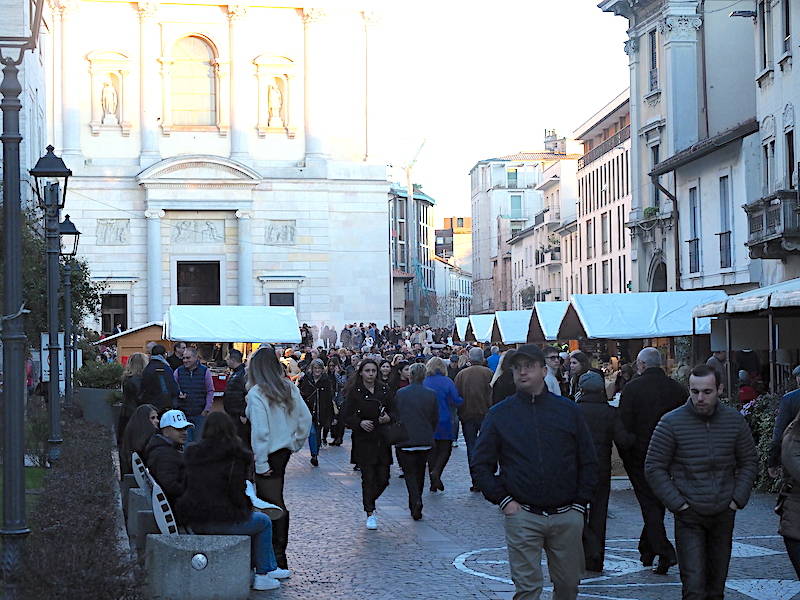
x=712 y=456
x=538 y=440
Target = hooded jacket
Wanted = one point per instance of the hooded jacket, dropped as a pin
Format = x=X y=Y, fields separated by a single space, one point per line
x=215 y=479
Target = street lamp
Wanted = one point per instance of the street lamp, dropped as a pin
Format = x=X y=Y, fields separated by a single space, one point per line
x=15 y=38
x=48 y=173
x=69 y=248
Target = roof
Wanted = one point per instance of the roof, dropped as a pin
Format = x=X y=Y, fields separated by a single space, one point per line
x=636 y=316
x=460 y=329
x=256 y=324
x=403 y=193
x=779 y=295
x=601 y=115
x=112 y=338
x=400 y=274
x=528 y=157
x=705 y=147
x=480 y=328
x=546 y=319
x=511 y=326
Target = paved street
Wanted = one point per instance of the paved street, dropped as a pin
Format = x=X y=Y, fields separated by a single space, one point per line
x=458 y=552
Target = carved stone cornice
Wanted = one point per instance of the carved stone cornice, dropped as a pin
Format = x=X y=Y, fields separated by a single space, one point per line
x=680 y=28
x=154 y=213
x=631 y=46
x=237 y=12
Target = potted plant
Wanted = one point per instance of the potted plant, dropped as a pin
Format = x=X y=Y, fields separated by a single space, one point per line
x=98 y=386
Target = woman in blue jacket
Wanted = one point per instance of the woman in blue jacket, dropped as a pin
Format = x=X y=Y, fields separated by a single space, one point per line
x=448 y=399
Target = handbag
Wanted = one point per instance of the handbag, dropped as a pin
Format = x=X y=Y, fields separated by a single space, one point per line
x=393 y=433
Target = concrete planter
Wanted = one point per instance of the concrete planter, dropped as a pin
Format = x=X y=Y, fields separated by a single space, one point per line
x=96 y=405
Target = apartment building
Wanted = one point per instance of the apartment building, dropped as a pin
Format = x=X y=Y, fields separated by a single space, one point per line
x=454 y=241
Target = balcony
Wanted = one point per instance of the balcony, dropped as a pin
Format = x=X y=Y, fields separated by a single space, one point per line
x=774 y=225
x=615 y=140
x=551 y=258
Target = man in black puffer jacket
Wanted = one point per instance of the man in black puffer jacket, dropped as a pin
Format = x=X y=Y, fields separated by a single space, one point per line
x=702 y=464
x=644 y=401
x=164 y=454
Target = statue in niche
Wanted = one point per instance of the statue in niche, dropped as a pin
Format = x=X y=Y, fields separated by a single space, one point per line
x=275 y=103
x=109 y=103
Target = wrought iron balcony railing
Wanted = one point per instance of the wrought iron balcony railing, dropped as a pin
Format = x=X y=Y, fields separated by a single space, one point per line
x=615 y=140
x=774 y=225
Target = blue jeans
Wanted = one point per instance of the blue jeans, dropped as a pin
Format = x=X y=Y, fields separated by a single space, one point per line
x=313 y=440
x=471 y=428
x=259 y=528
x=196 y=432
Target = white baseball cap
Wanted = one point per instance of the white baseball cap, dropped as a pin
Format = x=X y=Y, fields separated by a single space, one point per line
x=176 y=419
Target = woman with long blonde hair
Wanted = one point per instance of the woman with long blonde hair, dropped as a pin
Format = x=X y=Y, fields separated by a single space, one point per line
x=280 y=423
x=131 y=390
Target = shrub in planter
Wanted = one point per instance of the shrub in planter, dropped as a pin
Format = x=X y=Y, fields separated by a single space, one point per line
x=73 y=551
x=760 y=415
x=94 y=374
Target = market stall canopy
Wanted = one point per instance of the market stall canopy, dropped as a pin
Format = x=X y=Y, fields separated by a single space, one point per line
x=460 y=329
x=545 y=321
x=511 y=326
x=255 y=324
x=636 y=316
x=779 y=295
x=480 y=328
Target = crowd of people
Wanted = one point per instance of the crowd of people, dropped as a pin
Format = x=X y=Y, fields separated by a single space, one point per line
x=537 y=424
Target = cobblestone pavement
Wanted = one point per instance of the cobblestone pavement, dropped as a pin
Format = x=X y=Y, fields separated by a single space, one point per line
x=458 y=550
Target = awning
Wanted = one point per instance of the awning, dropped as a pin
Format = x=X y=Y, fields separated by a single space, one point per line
x=460 y=329
x=256 y=324
x=635 y=316
x=545 y=321
x=511 y=326
x=480 y=328
x=113 y=338
x=779 y=295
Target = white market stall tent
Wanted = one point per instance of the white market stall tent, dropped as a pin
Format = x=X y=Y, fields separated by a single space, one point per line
x=480 y=328
x=254 y=324
x=546 y=320
x=511 y=326
x=460 y=329
x=779 y=295
x=637 y=315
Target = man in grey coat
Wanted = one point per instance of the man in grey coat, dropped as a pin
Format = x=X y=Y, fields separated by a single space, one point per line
x=701 y=464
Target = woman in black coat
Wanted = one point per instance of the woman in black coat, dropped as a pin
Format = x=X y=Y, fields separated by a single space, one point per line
x=606 y=427
x=317 y=390
x=215 y=503
x=503 y=381
x=369 y=405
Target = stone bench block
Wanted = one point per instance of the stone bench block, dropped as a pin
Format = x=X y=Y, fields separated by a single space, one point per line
x=198 y=567
x=145 y=525
x=138 y=499
x=128 y=483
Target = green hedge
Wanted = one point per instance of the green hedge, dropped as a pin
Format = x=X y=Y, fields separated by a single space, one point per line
x=99 y=375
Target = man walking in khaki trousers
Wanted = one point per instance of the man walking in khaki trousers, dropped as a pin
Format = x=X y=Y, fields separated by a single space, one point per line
x=547 y=475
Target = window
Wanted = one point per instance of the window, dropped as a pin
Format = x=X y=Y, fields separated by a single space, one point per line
x=768 y=166
x=511 y=177
x=764 y=34
x=653 y=47
x=724 y=223
x=281 y=299
x=590 y=279
x=460 y=222
x=606 y=275
x=791 y=165
x=654 y=159
x=605 y=232
x=516 y=206
x=194 y=93
x=199 y=283
x=113 y=312
x=787 y=26
x=590 y=238
x=694 y=229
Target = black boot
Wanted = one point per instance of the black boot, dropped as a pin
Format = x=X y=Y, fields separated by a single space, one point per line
x=280 y=539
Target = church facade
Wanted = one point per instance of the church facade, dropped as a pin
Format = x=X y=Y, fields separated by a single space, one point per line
x=219 y=156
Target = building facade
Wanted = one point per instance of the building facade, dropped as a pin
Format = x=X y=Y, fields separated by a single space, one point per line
x=216 y=160
x=773 y=213
x=595 y=246
x=453 y=293
x=412 y=250
x=504 y=200
x=454 y=241
x=693 y=150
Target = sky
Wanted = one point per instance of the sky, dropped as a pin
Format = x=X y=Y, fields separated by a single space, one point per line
x=475 y=80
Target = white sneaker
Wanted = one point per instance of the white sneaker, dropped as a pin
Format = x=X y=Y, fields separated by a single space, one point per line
x=372 y=522
x=265 y=582
x=280 y=574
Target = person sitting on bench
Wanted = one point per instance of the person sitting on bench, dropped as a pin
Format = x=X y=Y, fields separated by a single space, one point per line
x=215 y=503
x=164 y=454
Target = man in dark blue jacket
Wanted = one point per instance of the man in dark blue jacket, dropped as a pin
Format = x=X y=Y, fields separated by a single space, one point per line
x=547 y=475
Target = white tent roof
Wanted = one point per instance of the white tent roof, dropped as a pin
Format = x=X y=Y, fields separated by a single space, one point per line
x=512 y=326
x=481 y=326
x=113 y=338
x=549 y=316
x=256 y=324
x=779 y=295
x=636 y=316
x=461 y=328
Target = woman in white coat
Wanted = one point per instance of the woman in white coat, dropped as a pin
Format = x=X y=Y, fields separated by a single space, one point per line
x=280 y=423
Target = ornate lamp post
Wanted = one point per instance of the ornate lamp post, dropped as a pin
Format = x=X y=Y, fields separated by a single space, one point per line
x=48 y=172
x=69 y=248
x=15 y=39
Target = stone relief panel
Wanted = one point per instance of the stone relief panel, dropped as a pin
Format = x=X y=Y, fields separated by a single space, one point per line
x=202 y=231
x=281 y=232
x=113 y=232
